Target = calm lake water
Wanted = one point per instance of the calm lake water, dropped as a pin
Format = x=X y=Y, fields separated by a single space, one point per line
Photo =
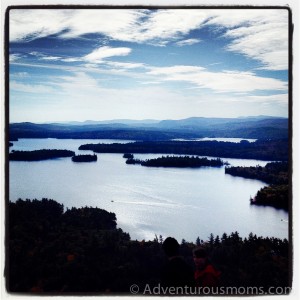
x=183 y=203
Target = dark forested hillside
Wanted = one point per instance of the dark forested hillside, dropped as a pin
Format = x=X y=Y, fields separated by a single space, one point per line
x=81 y=250
x=255 y=127
x=99 y=131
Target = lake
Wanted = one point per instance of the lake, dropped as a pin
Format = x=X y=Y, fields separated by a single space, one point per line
x=183 y=203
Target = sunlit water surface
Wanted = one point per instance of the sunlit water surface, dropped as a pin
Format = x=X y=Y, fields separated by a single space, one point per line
x=184 y=203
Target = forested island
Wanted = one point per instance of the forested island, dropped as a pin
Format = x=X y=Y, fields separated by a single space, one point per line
x=53 y=250
x=178 y=162
x=261 y=149
x=276 y=174
x=36 y=155
x=84 y=158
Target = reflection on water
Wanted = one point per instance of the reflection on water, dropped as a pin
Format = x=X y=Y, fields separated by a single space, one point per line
x=184 y=203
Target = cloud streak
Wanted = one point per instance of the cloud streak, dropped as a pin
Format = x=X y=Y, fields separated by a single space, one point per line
x=103 y=52
x=224 y=81
x=188 y=42
x=30 y=88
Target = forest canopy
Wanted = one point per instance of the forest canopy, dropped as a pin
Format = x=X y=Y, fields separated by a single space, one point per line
x=273 y=173
x=55 y=250
x=178 y=162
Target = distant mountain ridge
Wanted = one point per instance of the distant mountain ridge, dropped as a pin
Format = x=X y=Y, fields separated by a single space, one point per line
x=190 y=120
x=114 y=121
x=261 y=127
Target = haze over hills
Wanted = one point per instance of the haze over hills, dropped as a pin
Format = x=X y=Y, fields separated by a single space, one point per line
x=260 y=127
x=115 y=121
x=168 y=122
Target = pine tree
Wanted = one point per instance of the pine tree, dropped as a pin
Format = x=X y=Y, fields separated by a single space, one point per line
x=161 y=240
x=211 y=240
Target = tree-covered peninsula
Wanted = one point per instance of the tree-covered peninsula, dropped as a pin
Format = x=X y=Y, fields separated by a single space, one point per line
x=39 y=154
x=272 y=173
x=52 y=250
x=261 y=149
x=273 y=195
x=276 y=174
x=178 y=162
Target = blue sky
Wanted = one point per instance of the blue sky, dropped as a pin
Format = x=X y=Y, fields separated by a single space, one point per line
x=98 y=64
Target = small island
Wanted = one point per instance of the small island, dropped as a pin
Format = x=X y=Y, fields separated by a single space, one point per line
x=84 y=158
x=128 y=155
x=36 y=155
x=178 y=162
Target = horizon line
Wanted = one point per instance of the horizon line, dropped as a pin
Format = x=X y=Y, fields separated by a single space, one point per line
x=144 y=120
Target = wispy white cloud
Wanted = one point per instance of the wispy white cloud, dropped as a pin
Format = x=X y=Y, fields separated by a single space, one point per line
x=187 y=42
x=150 y=82
x=216 y=63
x=86 y=67
x=71 y=59
x=30 y=24
x=173 y=70
x=51 y=58
x=134 y=25
x=260 y=34
x=198 y=77
x=125 y=65
x=103 y=52
x=170 y=24
x=19 y=75
x=270 y=99
x=95 y=57
x=41 y=56
x=223 y=81
x=30 y=88
x=67 y=94
x=14 y=57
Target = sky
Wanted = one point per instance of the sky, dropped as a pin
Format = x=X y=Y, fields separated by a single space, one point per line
x=103 y=64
